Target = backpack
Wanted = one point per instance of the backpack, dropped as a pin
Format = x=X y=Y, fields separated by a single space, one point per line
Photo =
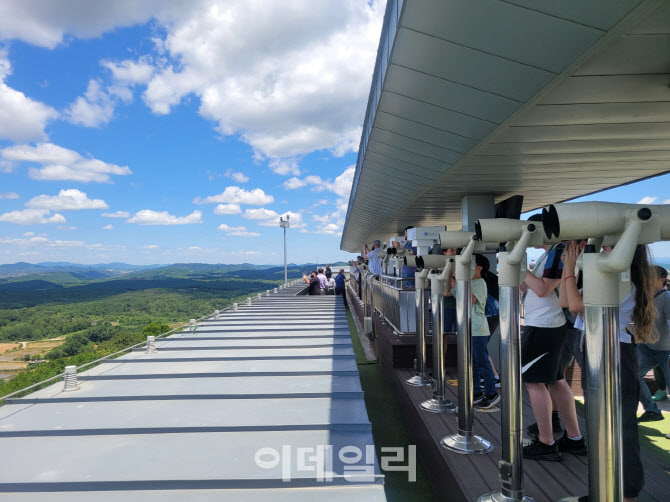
x=492 y=306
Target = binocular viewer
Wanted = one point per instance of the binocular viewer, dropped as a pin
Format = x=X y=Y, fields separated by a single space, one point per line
x=580 y=220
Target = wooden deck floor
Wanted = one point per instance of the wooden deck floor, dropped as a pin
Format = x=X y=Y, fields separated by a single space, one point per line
x=475 y=475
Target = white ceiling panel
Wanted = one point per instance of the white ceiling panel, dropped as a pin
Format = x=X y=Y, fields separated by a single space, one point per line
x=632 y=54
x=602 y=15
x=463 y=65
x=609 y=134
x=417 y=146
x=549 y=100
x=465 y=126
x=610 y=89
x=449 y=95
x=534 y=37
x=599 y=113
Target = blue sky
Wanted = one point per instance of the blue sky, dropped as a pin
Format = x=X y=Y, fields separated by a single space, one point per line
x=166 y=131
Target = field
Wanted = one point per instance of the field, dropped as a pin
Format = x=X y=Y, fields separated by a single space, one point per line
x=52 y=319
x=12 y=355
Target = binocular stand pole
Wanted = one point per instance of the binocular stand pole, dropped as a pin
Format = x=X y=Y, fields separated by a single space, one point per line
x=421 y=379
x=511 y=467
x=465 y=441
x=439 y=403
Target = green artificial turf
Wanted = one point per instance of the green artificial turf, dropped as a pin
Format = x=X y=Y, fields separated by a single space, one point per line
x=388 y=429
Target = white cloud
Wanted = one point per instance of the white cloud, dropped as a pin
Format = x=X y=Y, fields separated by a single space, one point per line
x=287 y=77
x=46 y=23
x=237 y=231
x=284 y=167
x=295 y=220
x=342 y=184
x=294 y=183
x=29 y=234
x=108 y=227
x=117 y=214
x=131 y=72
x=21 y=118
x=149 y=217
x=9 y=195
x=318 y=185
x=71 y=199
x=32 y=217
x=58 y=163
x=66 y=227
x=647 y=200
x=149 y=246
x=260 y=214
x=237 y=195
x=237 y=176
x=222 y=209
x=93 y=109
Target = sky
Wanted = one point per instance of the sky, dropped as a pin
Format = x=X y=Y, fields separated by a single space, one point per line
x=167 y=131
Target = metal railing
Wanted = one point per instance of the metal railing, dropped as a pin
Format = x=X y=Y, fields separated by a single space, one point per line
x=394 y=302
x=65 y=374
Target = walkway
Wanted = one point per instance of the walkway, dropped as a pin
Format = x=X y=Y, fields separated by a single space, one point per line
x=242 y=409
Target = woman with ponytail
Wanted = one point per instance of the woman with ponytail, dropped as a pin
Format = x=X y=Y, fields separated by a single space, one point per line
x=636 y=325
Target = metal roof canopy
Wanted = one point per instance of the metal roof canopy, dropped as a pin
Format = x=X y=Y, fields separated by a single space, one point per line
x=549 y=100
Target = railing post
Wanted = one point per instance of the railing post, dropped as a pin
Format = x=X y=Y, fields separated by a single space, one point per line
x=151 y=345
x=70 y=379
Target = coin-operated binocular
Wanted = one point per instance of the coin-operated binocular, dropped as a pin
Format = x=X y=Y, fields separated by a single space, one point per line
x=439 y=274
x=422 y=238
x=465 y=441
x=607 y=281
x=396 y=261
x=515 y=237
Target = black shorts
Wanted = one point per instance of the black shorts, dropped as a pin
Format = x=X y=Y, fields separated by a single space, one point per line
x=547 y=345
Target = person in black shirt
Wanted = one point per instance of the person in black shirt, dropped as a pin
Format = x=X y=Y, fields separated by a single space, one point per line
x=313 y=281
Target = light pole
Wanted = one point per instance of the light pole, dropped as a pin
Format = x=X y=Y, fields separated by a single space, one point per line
x=284 y=224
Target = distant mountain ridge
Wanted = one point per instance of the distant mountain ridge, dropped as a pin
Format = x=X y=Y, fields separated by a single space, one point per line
x=73 y=272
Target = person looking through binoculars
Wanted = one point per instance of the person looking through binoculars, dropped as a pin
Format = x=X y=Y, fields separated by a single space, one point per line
x=542 y=340
x=481 y=367
x=374 y=257
x=636 y=324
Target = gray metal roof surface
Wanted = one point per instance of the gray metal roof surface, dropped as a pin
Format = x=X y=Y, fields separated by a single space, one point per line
x=186 y=422
x=550 y=100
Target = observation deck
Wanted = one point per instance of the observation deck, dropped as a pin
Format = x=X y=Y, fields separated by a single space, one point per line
x=257 y=404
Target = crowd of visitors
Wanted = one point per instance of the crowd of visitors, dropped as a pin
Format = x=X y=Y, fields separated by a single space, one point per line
x=553 y=338
x=322 y=282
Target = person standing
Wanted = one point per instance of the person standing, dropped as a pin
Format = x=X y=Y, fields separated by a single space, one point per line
x=480 y=337
x=542 y=339
x=323 y=280
x=408 y=271
x=655 y=355
x=340 y=286
x=374 y=257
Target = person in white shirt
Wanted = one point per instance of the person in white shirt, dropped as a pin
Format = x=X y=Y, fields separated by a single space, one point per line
x=542 y=340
